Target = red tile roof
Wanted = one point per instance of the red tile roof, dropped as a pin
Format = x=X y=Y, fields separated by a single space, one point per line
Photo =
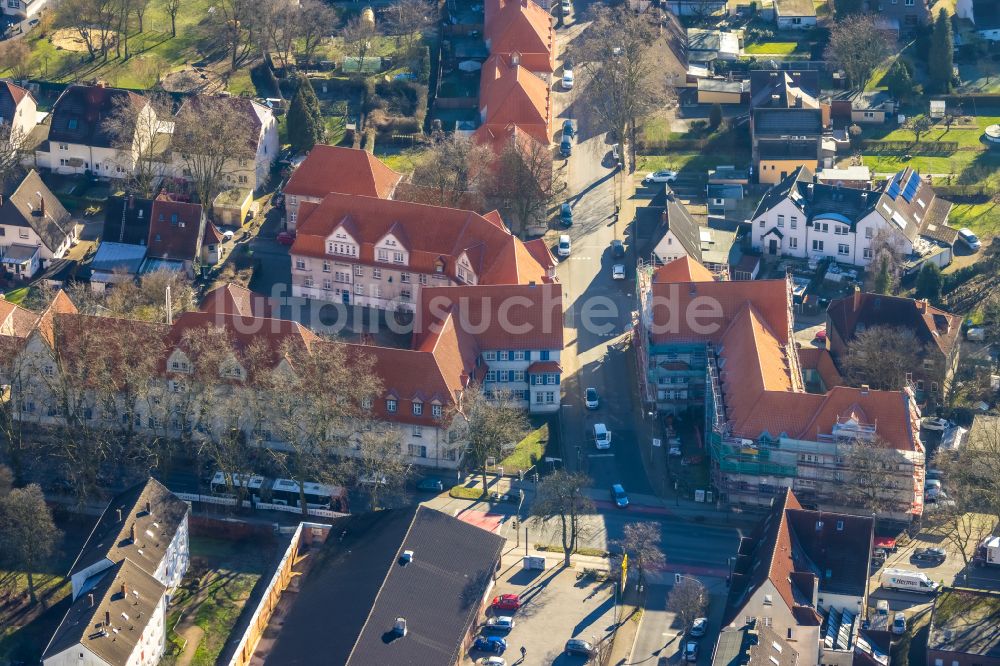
x=497 y=317
x=235 y=300
x=684 y=269
x=523 y=27
x=539 y=367
x=345 y=170
x=541 y=252
x=511 y=95
x=429 y=233
x=820 y=360
x=175 y=230
x=212 y=235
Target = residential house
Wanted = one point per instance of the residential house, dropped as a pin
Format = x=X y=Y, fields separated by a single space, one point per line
x=937 y=332
x=872 y=107
x=122 y=580
x=963 y=628
x=510 y=95
x=859 y=177
x=700 y=9
x=126 y=220
x=904 y=17
x=794 y=14
x=418 y=581
x=232 y=299
x=20 y=10
x=34 y=228
x=382 y=253
x=720 y=246
x=18 y=108
x=177 y=231
x=787 y=122
x=984 y=14
x=752 y=644
x=261 y=129
x=727 y=347
x=79 y=140
x=115 y=263
x=521 y=29
x=799 y=218
x=677 y=235
x=332 y=169
x=705 y=46
x=722 y=91
x=803 y=575
x=723 y=199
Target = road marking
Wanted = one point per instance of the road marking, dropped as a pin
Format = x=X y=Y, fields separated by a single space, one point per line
x=600 y=455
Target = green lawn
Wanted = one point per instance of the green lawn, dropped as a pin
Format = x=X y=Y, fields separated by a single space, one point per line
x=694 y=161
x=400 y=162
x=982 y=218
x=24 y=631
x=966 y=138
x=17 y=296
x=462 y=492
x=528 y=451
x=774 y=48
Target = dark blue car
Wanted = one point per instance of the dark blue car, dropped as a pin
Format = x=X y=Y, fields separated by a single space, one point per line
x=495 y=644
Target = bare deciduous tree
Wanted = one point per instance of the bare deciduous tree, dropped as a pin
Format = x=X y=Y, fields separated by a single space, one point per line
x=316 y=22
x=452 y=170
x=234 y=20
x=622 y=78
x=377 y=463
x=523 y=182
x=172 y=8
x=882 y=357
x=15 y=55
x=30 y=535
x=871 y=480
x=858 y=46
x=561 y=495
x=93 y=20
x=210 y=136
x=409 y=18
x=641 y=541
x=357 y=35
x=688 y=600
x=134 y=126
x=12 y=149
x=490 y=427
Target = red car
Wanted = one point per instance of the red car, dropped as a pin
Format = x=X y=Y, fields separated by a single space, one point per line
x=286 y=237
x=821 y=335
x=510 y=602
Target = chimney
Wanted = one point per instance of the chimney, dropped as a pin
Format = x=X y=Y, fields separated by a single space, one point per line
x=107 y=618
x=864 y=389
x=149 y=508
x=406 y=557
x=119 y=515
x=400 y=627
x=798 y=101
x=131 y=202
x=124 y=589
x=856 y=296
x=1 y=200
x=41 y=203
x=131 y=532
x=922 y=305
x=90 y=599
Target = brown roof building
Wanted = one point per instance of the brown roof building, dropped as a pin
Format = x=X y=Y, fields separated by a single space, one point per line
x=521 y=27
x=511 y=96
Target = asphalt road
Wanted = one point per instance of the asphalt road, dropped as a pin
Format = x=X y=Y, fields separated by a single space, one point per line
x=661 y=639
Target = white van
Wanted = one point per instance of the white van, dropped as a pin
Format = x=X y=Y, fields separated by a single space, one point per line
x=602 y=436
x=914 y=581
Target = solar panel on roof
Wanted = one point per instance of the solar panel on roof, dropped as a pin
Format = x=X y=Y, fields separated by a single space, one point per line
x=911 y=186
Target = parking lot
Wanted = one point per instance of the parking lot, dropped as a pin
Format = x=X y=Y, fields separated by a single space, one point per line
x=555 y=606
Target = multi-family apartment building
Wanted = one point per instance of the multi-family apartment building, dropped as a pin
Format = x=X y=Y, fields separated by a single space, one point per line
x=382 y=253
x=727 y=347
x=800 y=218
x=122 y=579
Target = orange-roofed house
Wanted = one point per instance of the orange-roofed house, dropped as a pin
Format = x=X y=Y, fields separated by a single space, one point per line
x=330 y=169
x=775 y=418
x=381 y=253
x=523 y=28
x=510 y=95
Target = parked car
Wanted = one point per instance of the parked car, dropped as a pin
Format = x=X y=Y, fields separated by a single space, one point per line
x=566 y=147
x=506 y=602
x=691 y=651
x=970 y=239
x=618 y=272
x=565 y=7
x=566 y=215
x=675 y=452
x=899 y=624
x=568 y=79
x=699 y=627
x=602 y=436
x=821 y=335
x=500 y=623
x=565 y=246
x=286 y=237
x=568 y=128
x=227 y=235
x=494 y=661
x=617 y=249
x=616 y=153
x=491 y=644
x=934 y=423
x=431 y=485
x=592 y=399
x=931 y=555
x=580 y=647
x=618 y=496
x=661 y=176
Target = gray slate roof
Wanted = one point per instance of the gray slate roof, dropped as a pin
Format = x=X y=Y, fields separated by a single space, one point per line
x=685 y=228
x=128 y=608
x=438 y=592
x=787 y=122
x=149 y=518
x=10 y=96
x=33 y=205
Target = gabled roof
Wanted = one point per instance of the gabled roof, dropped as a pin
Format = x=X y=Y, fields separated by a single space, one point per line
x=966 y=621
x=175 y=230
x=254 y=114
x=11 y=95
x=345 y=170
x=522 y=27
x=905 y=201
x=79 y=114
x=438 y=592
x=684 y=269
x=931 y=326
x=814 y=358
x=134 y=212
x=232 y=299
x=435 y=234
x=782 y=88
x=684 y=228
x=124 y=601
x=795 y=8
x=33 y=205
x=137 y=525
x=510 y=94
x=16 y=321
x=783 y=189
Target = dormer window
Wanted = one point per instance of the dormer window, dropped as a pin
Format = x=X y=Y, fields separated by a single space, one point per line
x=345 y=249
x=390 y=405
x=418 y=408
x=439 y=266
x=436 y=411
x=383 y=255
x=397 y=257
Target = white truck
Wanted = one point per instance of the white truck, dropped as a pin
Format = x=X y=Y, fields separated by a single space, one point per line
x=988 y=553
x=903 y=579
